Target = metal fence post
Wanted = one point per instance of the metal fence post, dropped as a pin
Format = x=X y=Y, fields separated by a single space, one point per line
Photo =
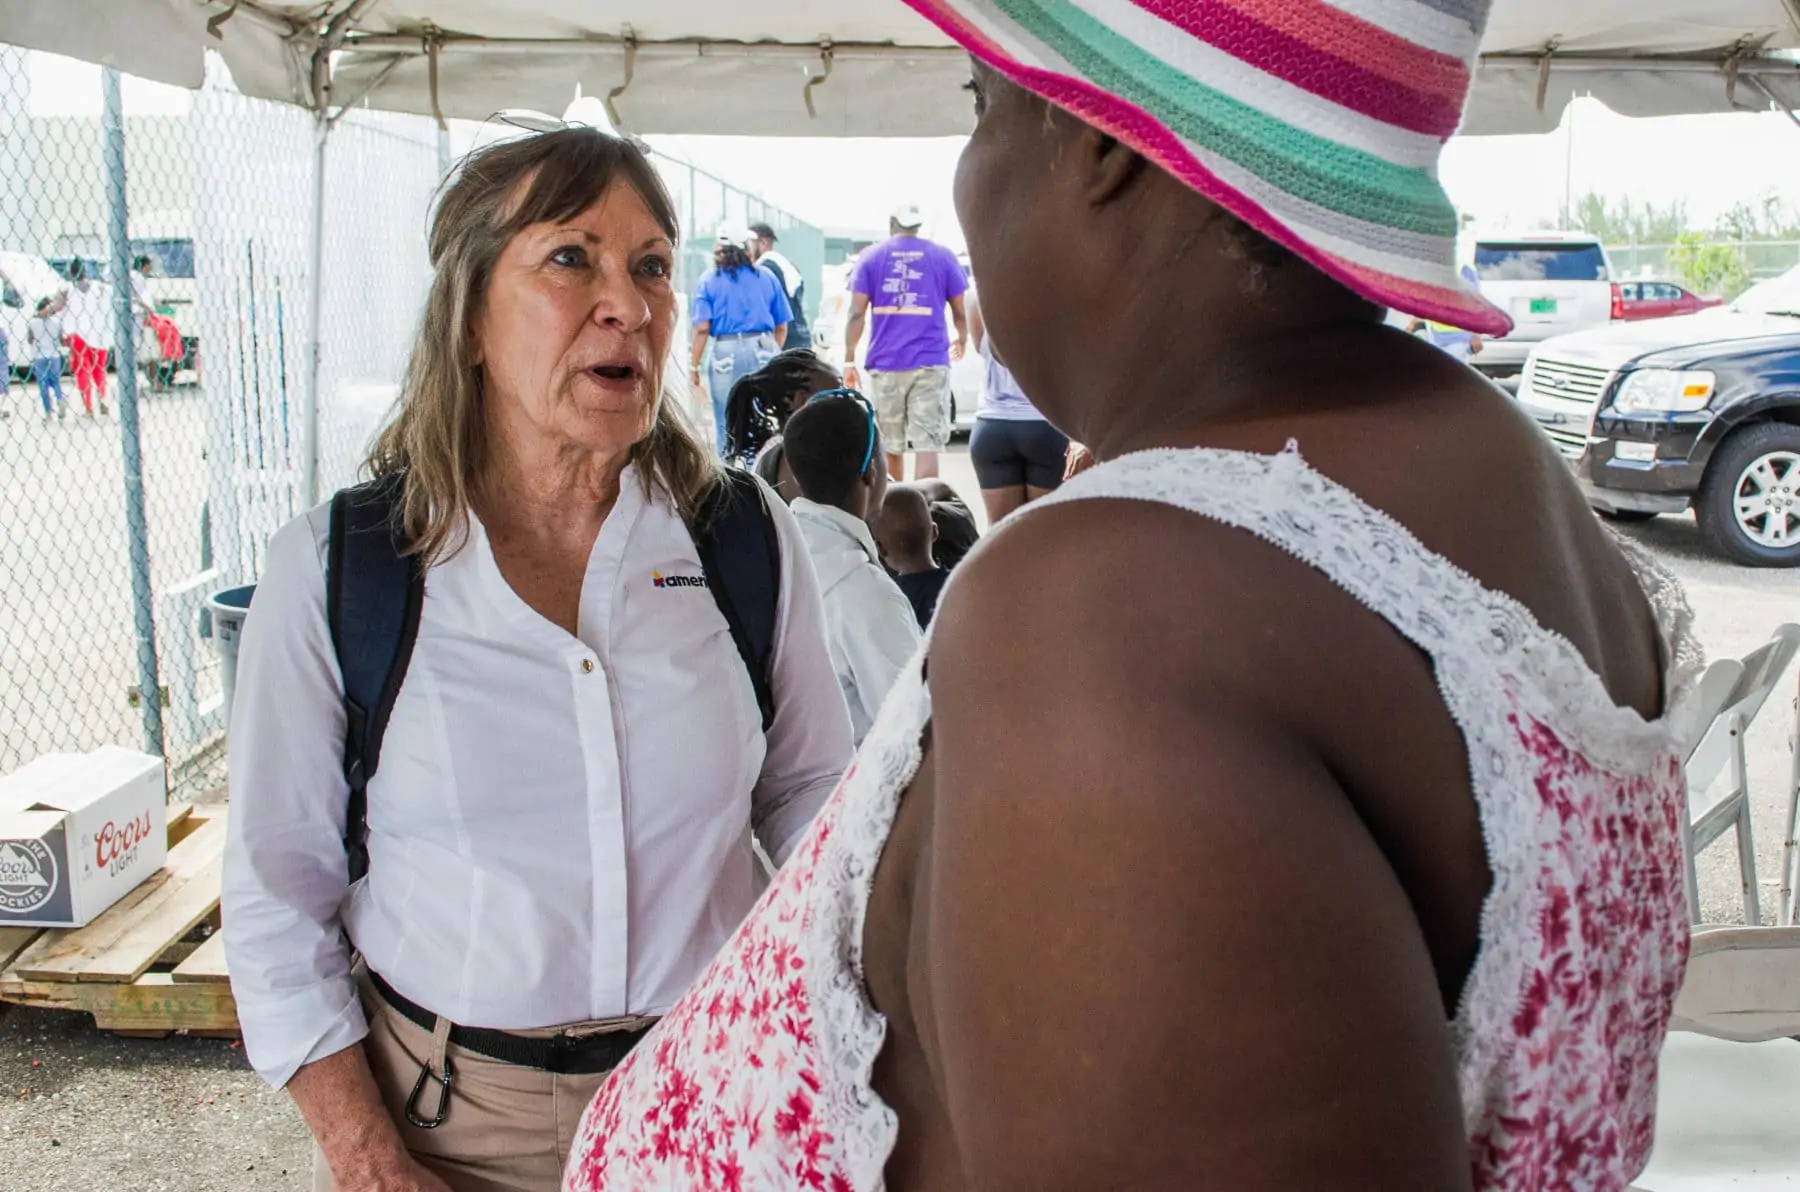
x=118 y=228
x=315 y=313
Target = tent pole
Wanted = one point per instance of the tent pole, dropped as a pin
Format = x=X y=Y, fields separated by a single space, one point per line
x=315 y=309
x=137 y=529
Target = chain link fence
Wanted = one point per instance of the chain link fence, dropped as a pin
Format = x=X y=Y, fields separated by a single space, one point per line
x=158 y=322
x=1763 y=259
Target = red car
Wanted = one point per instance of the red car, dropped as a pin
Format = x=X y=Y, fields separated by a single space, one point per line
x=1637 y=300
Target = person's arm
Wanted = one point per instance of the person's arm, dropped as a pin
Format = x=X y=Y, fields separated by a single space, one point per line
x=886 y=637
x=853 y=332
x=809 y=745
x=977 y=325
x=285 y=872
x=780 y=308
x=701 y=331
x=1165 y=952
x=960 y=316
x=702 y=318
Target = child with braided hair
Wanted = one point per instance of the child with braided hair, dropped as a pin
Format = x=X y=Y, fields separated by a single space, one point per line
x=762 y=402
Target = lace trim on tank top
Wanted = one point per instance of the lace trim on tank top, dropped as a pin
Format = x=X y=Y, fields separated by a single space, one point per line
x=1484 y=645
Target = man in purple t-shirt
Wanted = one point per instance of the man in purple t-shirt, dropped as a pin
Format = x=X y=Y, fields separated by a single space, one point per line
x=906 y=282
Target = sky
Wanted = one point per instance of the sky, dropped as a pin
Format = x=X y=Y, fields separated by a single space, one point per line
x=1709 y=163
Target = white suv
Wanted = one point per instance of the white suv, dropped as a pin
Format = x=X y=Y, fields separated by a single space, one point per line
x=1551 y=283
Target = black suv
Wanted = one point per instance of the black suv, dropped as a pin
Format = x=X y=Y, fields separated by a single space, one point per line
x=1701 y=410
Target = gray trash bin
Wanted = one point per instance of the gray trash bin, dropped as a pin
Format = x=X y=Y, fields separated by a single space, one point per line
x=228 y=609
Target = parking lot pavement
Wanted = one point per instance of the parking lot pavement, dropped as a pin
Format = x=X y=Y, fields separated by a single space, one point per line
x=82 y=1111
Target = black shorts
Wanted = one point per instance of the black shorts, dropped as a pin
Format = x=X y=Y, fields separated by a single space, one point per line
x=1008 y=454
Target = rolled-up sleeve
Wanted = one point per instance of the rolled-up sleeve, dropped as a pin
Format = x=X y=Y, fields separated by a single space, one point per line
x=285 y=878
x=809 y=745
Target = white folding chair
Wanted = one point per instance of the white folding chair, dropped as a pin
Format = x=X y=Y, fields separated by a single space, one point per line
x=1792 y=822
x=1693 y=723
x=1722 y=752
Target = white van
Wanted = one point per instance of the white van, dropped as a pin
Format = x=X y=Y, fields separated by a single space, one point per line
x=1551 y=283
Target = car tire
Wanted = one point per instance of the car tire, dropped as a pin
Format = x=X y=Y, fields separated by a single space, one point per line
x=1626 y=517
x=1752 y=461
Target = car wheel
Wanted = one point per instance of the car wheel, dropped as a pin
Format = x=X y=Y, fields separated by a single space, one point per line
x=1749 y=503
x=1626 y=516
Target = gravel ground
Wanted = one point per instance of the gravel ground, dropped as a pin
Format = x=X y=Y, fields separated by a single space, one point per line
x=82 y=1111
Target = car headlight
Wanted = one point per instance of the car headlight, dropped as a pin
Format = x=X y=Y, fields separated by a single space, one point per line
x=1664 y=391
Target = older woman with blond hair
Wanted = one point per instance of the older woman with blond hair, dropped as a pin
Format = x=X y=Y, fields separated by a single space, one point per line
x=578 y=760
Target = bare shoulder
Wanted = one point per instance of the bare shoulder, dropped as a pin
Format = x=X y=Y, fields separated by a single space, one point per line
x=1159 y=597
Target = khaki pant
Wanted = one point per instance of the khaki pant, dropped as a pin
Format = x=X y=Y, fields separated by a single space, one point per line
x=509 y=1129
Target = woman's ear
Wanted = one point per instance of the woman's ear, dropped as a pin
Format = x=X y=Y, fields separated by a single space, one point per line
x=1111 y=165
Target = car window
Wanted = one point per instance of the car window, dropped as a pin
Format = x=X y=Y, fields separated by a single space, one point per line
x=12 y=297
x=1668 y=293
x=172 y=257
x=1497 y=261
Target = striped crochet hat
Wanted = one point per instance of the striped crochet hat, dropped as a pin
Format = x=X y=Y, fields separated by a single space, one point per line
x=1317 y=122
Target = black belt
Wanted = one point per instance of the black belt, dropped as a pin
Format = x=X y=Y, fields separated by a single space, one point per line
x=563 y=1055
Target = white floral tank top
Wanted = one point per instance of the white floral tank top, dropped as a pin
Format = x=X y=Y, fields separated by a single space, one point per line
x=759 y=1079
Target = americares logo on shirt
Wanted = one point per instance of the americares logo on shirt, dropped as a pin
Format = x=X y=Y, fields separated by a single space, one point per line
x=677 y=581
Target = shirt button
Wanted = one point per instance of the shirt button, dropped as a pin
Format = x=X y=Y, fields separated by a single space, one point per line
x=587 y=666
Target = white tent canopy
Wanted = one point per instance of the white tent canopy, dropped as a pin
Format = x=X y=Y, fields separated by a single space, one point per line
x=874 y=67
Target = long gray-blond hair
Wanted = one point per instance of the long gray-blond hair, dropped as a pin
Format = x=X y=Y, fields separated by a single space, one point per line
x=438 y=436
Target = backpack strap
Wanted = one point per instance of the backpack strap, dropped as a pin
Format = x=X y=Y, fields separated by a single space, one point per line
x=374 y=593
x=741 y=556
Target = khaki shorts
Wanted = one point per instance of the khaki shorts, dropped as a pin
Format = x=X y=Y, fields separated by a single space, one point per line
x=912 y=408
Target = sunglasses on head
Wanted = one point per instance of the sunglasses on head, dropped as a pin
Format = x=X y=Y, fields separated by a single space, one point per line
x=536 y=123
x=869 y=410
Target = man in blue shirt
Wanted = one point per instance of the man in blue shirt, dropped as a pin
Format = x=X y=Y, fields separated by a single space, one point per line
x=744 y=311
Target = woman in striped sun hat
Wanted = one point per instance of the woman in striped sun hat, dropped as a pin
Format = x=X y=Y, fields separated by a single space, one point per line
x=1291 y=803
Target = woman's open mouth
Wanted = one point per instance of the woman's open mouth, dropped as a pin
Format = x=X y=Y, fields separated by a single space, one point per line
x=617 y=376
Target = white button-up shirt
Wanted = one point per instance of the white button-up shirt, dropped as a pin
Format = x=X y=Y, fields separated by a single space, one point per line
x=560 y=827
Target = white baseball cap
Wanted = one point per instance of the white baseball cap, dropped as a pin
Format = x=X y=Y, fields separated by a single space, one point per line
x=730 y=233
x=908 y=215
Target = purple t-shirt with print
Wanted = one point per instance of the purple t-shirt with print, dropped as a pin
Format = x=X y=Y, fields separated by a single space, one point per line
x=908 y=281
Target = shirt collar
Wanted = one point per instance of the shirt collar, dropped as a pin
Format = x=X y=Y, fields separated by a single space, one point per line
x=840 y=521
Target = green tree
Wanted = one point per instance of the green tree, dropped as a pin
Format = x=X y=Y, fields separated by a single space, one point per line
x=1627 y=221
x=1708 y=267
x=1773 y=218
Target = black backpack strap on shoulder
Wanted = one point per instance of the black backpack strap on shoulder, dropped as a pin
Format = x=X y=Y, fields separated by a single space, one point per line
x=374 y=593
x=741 y=555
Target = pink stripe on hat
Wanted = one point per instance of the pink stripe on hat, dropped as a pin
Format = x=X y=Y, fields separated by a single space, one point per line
x=1283 y=55
x=1331 y=30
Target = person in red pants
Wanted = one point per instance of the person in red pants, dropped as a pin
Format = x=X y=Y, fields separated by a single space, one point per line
x=83 y=306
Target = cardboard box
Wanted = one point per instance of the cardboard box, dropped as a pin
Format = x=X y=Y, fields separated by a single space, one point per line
x=78 y=831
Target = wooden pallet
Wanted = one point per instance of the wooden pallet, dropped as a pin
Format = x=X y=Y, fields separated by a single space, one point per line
x=148 y=964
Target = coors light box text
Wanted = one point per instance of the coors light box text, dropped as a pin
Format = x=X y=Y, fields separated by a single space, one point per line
x=77 y=832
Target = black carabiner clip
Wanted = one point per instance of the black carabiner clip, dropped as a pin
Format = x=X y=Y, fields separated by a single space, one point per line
x=443 y=1105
